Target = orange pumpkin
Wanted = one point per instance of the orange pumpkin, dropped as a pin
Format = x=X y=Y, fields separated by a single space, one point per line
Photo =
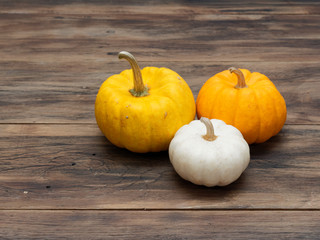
x=248 y=101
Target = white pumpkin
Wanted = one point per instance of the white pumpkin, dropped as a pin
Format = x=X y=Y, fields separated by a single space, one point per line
x=209 y=152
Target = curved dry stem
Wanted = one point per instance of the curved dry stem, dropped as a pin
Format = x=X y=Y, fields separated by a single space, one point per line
x=210 y=130
x=139 y=89
x=241 y=79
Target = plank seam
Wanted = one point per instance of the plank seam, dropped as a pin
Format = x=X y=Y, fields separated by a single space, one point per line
x=174 y=209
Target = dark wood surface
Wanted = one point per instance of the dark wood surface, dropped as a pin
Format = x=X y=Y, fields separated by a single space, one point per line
x=61 y=179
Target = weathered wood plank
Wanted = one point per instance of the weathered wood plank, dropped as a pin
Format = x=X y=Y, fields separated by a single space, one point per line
x=161 y=7
x=90 y=50
x=160 y=224
x=60 y=92
x=227 y=38
x=202 y=27
x=74 y=167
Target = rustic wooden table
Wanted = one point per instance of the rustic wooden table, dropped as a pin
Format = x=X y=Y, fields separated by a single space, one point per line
x=61 y=179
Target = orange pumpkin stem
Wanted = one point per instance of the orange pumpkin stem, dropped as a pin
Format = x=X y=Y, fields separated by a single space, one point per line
x=210 y=130
x=241 y=79
x=139 y=90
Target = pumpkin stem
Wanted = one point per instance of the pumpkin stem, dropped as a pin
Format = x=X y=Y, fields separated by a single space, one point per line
x=241 y=79
x=139 y=90
x=210 y=130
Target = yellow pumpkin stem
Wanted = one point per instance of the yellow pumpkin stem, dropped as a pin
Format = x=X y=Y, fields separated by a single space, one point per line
x=241 y=79
x=139 y=90
x=210 y=130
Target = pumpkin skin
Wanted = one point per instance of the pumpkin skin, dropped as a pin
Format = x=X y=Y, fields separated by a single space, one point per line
x=258 y=109
x=144 y=123
x=217 y=158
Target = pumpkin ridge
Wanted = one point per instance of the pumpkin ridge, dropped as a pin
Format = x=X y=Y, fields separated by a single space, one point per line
x=156 y=89
x=149 y=129
x=261 y=81
x=277 y=116
x=215 y=102
x=114 y=82
x=172 y=103
x=236 y=108
x=259 y=109
x=122 y=135
x=130 y=130
x=248 y=79
x=276 y=129
x=115 y=141
x=161 y=77
x=258 y=81
x=203 y=92
x=226 y=80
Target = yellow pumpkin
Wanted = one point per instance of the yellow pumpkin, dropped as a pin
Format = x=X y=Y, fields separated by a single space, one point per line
x=141 y=110
x=248 y=101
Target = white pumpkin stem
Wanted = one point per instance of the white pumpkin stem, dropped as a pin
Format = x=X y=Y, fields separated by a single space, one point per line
x=210 y=130
x=139 y=90
x=241 y=79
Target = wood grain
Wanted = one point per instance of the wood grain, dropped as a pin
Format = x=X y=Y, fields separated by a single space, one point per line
x=61 y=179
x=160 y=225
x=75 y=167
x=168 y=8
x=210 y=37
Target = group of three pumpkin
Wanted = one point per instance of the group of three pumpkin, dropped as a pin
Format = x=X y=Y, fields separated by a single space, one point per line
x=158 y=113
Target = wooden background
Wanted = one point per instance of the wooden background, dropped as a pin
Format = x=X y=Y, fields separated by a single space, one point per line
x=61 y=179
